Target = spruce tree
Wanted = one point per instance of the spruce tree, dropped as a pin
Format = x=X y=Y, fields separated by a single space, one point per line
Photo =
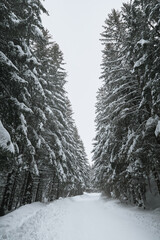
x=38 y=158
x=126 y=146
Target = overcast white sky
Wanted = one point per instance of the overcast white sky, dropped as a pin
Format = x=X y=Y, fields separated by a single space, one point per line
x=76 y=26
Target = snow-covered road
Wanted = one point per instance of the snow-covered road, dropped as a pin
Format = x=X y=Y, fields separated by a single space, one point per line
x=86 y=217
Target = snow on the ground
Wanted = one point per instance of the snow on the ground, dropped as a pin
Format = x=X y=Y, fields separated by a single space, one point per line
x=86 y=217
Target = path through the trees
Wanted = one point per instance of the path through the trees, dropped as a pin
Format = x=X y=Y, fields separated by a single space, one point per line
x=86 y=217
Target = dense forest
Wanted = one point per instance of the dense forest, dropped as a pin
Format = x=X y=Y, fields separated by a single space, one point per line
x=127 y=144
x=42 y=156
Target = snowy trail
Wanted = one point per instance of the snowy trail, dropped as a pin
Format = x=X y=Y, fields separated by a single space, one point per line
x=86 y=217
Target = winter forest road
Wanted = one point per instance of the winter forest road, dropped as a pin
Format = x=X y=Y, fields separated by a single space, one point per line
x=86 y=217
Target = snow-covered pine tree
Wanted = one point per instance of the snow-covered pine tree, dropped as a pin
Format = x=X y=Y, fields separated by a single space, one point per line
x=117 y=104
x=55 y=128
x=33 y=110
x=20 y=22
x=127 y=141
x=83 y=168
x=57 y=133
x=143 y=44
x=80 y=173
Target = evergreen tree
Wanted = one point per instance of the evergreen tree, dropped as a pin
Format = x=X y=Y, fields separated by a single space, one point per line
x=126 y=147
x=18 y=27
x=33 y=111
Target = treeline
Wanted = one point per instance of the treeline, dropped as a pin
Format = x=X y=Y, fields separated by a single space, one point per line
x=41 y=154
x=127 y=143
